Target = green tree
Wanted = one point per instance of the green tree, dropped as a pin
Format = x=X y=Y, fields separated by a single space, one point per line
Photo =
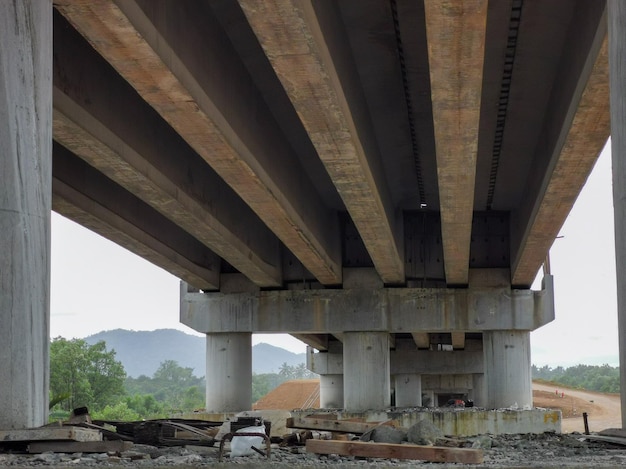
x=172 y=386
x=146 y=406
x=88 y=373
x=118 y=412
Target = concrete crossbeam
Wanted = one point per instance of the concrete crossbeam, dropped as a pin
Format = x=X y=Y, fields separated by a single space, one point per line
x=311 y=57
x=456 y=43
x=403 y=310
x=407 y=362
x=215 y=113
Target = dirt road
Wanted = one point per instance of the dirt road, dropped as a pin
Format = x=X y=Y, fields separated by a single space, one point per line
x=604 y=410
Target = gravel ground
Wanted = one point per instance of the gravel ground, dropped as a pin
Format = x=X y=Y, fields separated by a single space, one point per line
x=527 y=450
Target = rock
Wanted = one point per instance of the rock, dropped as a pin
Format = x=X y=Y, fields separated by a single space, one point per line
x=47 y=458
x=387 y=434
x=424 y=432
x=482 y=442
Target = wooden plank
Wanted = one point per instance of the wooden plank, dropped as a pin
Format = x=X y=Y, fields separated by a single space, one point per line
x=392 y=451
x=51 y=433
x=325 y=424
x=78 y=446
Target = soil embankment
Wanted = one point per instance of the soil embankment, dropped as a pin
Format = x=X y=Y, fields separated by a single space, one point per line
x=603 y=410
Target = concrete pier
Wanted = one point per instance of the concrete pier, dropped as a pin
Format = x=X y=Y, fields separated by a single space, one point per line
x=229 y=372
x=408 y=388
x=331 y=391
x=617 y=71
x=25 y=198
x=507 y=369
x=366 y=370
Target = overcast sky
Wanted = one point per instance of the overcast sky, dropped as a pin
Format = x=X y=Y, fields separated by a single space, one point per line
x=97 y=285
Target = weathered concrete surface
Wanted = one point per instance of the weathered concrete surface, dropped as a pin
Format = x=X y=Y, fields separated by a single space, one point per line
x=466 y=422
x=456 y=49
x=408 y=387
x=577 y=127
x=507 y=369
x=332 y=108
x=617 y=60
x=229 y=368
x=407 y=361
x=366 y=380
x=389 y=309
x=25 y=193
x=217 y=114
x=331 y=391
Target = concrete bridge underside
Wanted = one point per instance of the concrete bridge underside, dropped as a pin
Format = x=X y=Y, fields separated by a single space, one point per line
x=381 y=179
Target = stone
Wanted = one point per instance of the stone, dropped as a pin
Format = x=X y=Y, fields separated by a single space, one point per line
x=387 y=434
x=482 y=442
x=424 y=432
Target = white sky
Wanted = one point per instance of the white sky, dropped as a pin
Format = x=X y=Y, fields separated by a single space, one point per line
x=97 y=285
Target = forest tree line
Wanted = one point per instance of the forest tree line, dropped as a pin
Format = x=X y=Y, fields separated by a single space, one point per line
x=602 y=378
x=83 y=375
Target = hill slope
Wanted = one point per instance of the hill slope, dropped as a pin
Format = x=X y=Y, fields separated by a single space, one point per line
x=141 y=352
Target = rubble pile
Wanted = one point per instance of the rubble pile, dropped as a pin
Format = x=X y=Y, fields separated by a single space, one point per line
x=173 y=443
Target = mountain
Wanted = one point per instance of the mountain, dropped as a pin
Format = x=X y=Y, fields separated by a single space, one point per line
x=141 y=352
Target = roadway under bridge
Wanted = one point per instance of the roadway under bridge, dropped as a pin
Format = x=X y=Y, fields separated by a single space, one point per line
x=382 y=179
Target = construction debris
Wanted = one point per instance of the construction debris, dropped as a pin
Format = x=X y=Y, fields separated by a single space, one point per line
x=395 y=451
x=55 y=433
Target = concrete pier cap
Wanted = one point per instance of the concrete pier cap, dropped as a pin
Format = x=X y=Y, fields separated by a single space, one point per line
x=408 y=347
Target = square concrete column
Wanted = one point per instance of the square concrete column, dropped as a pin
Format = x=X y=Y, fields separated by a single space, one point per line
x=228 y=372
x=507 y=369
x=617 y=72
x=408 y=390
x=477 y=393
x=25 y=201
x=366 y=379
x=331 y=391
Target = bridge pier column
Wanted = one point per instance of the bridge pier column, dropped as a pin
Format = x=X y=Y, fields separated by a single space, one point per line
x=408 y=390
x=228 y=372
x=366 y=370
x=507 y=368
x=331 y=391
x=617 y=59
x=25 y=199
x=478 y=390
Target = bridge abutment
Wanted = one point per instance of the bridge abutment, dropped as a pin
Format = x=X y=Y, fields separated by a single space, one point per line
x=25 y=199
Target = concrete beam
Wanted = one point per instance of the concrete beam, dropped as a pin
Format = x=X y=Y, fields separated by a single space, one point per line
x=84 y=195
x=317 y=341
x=392 y=310
x=309 y=50
x=216 y=113
x=100 y=118
x=422 y=340
x=456 y=43
x=458 y=340
x=575 y=131
x=422 y=362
